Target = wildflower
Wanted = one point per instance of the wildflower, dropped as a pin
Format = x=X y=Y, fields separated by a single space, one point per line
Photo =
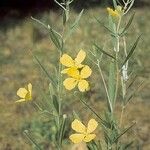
x=67 y=61
x=78 y=77
x=25 y=94
x=115 y=13
x=83 y=133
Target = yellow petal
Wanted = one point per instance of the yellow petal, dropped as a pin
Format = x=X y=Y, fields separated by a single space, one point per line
x=28 y=96
x=30 y=88
x=66 y=60
x=92 y=125
x=80 y=57
x=70 y=83
x=112 y=12
x=30 y=91
x=64 y=71
x=22 y=92
x=20 y=100
x=77 y=138
x=83 y=85
x=89 y=137
x=86 y=72
x=78 y=126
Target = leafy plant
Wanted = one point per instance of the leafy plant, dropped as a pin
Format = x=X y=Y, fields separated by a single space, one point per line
x=76 y=74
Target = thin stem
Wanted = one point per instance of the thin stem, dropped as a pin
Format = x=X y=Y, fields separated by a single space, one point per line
x=121 y=117
x=60 y=87
x=117 y=79
x=60 y=5
x=117 y=68
x=105 y=86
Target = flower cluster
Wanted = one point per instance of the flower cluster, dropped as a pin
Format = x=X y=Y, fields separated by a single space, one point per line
x=76 y=71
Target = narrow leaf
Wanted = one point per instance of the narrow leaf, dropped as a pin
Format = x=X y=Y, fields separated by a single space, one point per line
x=62 y=129
x=132 y=82
x=55 y=39
x=26 y=133
x=45 y=26
x=104 y=52
x=92 y=110
x=128 y=24
x=74 y=25
x=128 y=145
x=107 y=28
x=134 y=92
x=124 y=132
x=56 y=104
x=77 y=20
x=132 y=50
x=45 y=71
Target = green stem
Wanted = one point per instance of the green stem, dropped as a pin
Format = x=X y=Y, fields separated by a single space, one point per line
x=59 y=90
x=105 y=86
x=117 y=48
x=121 y=117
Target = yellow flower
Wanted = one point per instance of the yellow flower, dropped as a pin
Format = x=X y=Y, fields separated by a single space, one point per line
x=115 y=13
x=67 y=61
x=78 y=77
x=25 y=94
x=83 y=133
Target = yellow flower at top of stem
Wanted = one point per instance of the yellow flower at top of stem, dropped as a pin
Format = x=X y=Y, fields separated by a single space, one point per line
x=115 y=13
x=83 y=133
x=25 y=93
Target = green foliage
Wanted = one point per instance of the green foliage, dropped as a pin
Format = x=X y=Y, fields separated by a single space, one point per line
x=132 y=50
x=58 y=120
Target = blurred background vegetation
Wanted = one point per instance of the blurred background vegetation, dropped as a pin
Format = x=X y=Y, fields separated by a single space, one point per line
x=19 y=34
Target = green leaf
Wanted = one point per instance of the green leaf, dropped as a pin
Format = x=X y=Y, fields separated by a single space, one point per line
x=111 y=82
x=107 y=28
x=74 y=25
x=104 y=52
x=55 y=39
x=44 y=70
x=123 y=132
x=131 y=51
x=56 y=103
x=128 y=24
x=92 y=145
x=26 y=133
x=127 y=146
x=92 y=110
x=132 y=82
x=62 y=129
x=133 y=93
